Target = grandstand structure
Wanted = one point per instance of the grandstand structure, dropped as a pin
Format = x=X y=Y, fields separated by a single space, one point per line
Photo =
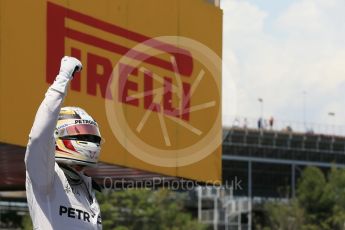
x=262 y=164
x=269 y=162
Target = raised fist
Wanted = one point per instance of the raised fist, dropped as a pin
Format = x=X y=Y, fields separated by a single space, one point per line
x=69 y=65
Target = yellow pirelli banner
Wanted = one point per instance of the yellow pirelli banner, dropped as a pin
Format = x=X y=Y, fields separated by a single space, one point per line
x=151 y=77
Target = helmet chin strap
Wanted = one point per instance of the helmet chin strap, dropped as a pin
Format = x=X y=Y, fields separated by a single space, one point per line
x=71 y=175
x=78 y=168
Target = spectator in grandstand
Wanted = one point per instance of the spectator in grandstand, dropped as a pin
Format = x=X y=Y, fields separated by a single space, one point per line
x=245 y=123
x=260 y=123
x=288 y=129
x=236 y=122
x=271 y=121
x=310 y=131
x=264 y=124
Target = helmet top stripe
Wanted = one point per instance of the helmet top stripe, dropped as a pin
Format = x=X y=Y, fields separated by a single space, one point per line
x=68 y=116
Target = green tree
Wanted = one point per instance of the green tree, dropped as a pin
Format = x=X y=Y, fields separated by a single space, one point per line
x=313 y=196
x=26 y=222
x=285 y=216
x=145 y=209
x=336 y=191
x=319 y=205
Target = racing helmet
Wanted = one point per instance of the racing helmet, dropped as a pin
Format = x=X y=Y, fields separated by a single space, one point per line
x=77 y=138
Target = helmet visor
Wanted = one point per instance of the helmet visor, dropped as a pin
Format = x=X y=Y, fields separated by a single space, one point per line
x=81 y=129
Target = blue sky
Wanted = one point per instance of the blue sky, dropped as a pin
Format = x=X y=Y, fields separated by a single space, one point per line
x=276 y=50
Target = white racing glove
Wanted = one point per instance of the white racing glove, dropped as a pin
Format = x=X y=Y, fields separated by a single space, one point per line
x=69 y=65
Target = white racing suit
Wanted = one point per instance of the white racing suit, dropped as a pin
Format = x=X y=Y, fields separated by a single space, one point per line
x=53 y=202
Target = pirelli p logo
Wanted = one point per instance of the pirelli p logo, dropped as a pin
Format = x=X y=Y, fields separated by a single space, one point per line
x=161 y=94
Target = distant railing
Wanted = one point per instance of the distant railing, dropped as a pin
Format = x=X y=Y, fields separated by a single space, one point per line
x=281 y=125
x=212 y=192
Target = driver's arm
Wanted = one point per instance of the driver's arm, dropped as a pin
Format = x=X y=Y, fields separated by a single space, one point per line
x=40 y=152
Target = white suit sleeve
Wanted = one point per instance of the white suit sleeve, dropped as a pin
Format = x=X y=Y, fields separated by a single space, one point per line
x=40 y=152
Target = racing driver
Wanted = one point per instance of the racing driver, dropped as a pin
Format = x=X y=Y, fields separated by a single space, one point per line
x=62 y=142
